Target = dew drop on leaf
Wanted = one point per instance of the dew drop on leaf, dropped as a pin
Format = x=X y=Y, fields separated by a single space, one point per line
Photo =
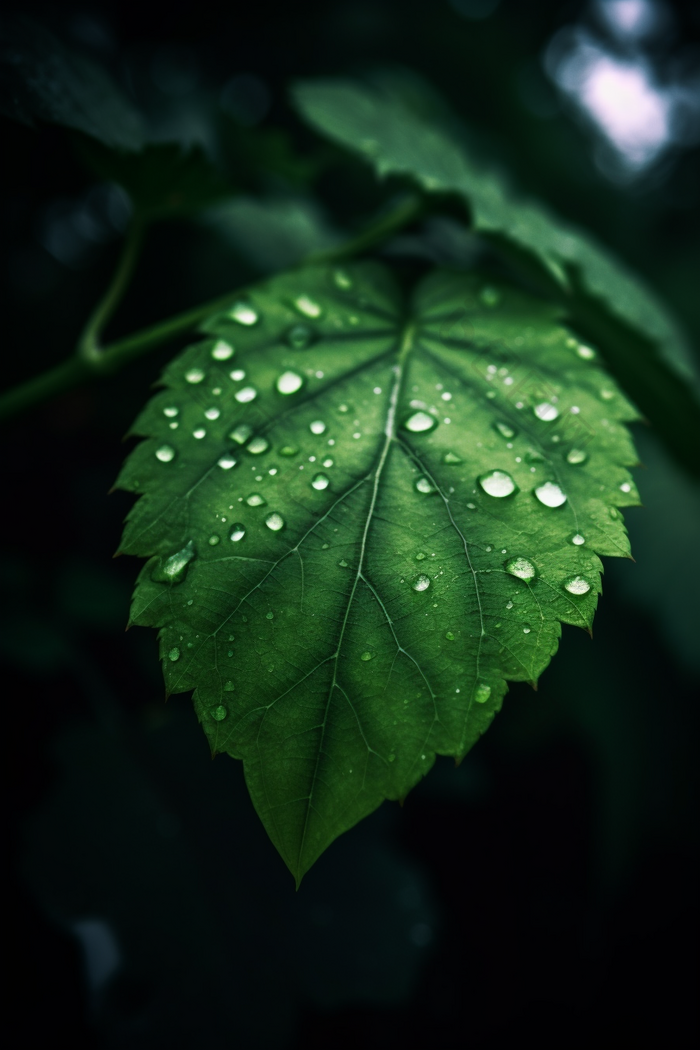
x=240 y=434
x=328 y=462
x=482 y=693
x=165 y=453
x=255 y=500
x=342 y=563
x=585 y=352
x=578 y=540
x=229 y=686
x=526 y=630
x=509 y=605
x=576 y=455
x=174 y=654
x=422 y=583
x=497 y=483
x=222 y=351
x=236 y=532
x=243 y=313
x=212 y=413
x=522 y=568
x=342 y=280
x=194 y=375
x=274 y=521
x=317 y=427
x=450 y=636
x=300 y=336
x=219 y=713
x=420 y=556
x=237 y=375
x=307 y=306
x=171 y=411
x=320 y=482
x=424 y=485
x=199 y=433
x=174 y=568
x=214 y=539
x=246 y=394
x=550 y=494
x=578 y=585
x=289 y=450
x=226 y=461
x=289 y=383
x=257 y=446
x=505 y=431
x=451 y=458
x=366 y=656
x=546 y=411
x=419 y=422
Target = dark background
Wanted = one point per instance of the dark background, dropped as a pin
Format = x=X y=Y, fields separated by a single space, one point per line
x=543 y=890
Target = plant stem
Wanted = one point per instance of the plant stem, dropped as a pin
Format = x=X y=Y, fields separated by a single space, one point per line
x=91 y=360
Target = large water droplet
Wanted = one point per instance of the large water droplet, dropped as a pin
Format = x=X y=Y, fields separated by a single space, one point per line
x=317 y=427
x=550 y=494
x=219 y=713
x=241 y=433
x=274 y=521
x=419 y=422
x=421 y=583
x=222 y=351
x=522 y=568
x=199 y=433
x=174 y=654
x=328 y=461
x=289 y=383
x=226 y=461
x=578 y=540
x=171 y=411
x=300 y=336
x=307 y=306
x=165 y=453
x=578 y=585
x=237 y=532
x=576 y=456
x=505 y=431
x=366 y=656
x=546 y=411
x=497 y=483
x=194 y=375
x=257 y=446
x=255 y=500
x=174 y=568
x=237 y=375
x=320 y=482
x=243 y=313
x=451 y=458
x=482 y=693
x=424 y=485
x=586 y=352
x=246 y=394
x=212 y=413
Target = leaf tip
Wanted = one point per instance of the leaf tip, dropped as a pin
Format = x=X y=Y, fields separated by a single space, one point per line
x=533 y=683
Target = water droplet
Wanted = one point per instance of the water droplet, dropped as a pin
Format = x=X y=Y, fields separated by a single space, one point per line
x=222 y=350
x=342 y=280
x=533 y=456
x=289 y=450
x=165 y=453
x=194 y=375
x=289 y=383
x=505 y=431
x=257 y=446
x=320 y=482
x=241 y=433
x=237 y=532
x=174 y=654
x=199 y=433
x=307 y=306
x=419 y=422
x=522 y=568
x=328 y=462
x=226 y=461
x=550 y=494
x=212 y=413
x=255 y=500
x=174 y=568
x=526 y=630
x=578 y=540
x=317 y=427
x=576 y=455
x=366 y=656
x=422 y=583
x=274 y=521
x=420 y=556
x=171 y=411
x=243 y=313
x=625 y=487
x=490 y=296
x=269 y=616
x=482 y=693
x=546 y=411
x=607 y=395
x=300 y=336
x=509 y=605
x=451 y=457
x=342 y=563
x=424 y=485
x=390 y=758
x=450 y=636
x=214 y=539
x=577 y=585
x=219 y=713
x=246 y=394
x=229 y=687
x=497 y=483
x=237 y=375
x=586 y=352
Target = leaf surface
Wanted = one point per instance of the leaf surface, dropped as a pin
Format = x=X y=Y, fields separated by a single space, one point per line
x=610 y=304
x=363 y=516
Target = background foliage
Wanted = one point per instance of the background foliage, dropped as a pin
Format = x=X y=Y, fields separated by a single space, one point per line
x=548 y=879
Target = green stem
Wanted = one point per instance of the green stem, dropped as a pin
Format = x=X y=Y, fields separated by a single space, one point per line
x=92 y=360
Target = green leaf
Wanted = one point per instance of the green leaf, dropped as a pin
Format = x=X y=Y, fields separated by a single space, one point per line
x=41 y=79
x=612 y=306
x=363 y=516
x=163 y=180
